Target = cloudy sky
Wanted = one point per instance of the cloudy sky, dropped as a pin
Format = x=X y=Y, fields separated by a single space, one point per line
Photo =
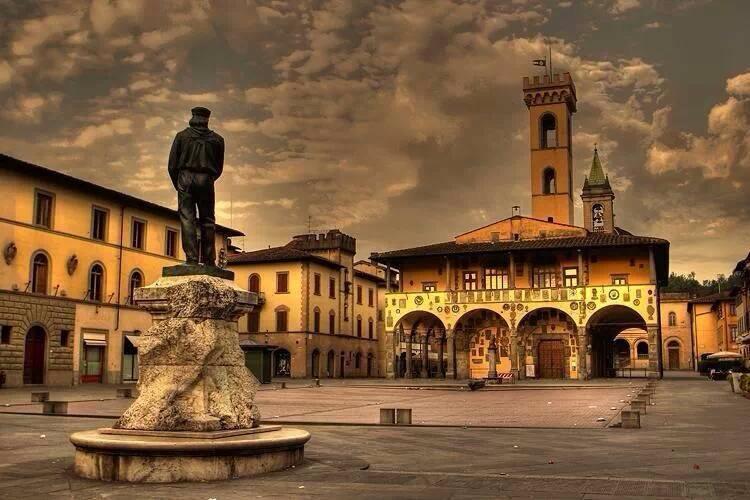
x=399 y=122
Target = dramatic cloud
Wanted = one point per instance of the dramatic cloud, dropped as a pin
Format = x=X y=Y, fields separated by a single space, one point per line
x=397 y=123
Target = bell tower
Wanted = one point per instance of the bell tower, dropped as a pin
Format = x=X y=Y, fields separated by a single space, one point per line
x=551 y=100
x=598 y=199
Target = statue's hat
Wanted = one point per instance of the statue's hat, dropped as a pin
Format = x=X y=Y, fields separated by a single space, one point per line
x=201 y=111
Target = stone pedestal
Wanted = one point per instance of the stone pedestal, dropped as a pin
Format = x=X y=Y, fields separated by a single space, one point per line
x=195 y=418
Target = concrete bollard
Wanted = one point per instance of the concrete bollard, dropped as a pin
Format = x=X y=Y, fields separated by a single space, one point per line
x=387 y=416
x=39 y=397
x=55 y=407
x=630 y=419
x=403 y=416
x=638 y=405
x=125 y=393
x=645 y=397
x=317 y=382
x=283 y=385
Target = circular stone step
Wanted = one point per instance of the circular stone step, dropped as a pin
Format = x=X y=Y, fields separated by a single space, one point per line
x=144 y=458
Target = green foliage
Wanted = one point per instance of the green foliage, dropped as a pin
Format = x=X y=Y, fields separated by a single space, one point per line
x=687 y=283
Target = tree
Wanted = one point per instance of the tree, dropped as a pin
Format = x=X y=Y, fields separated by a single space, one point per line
x=687 y=283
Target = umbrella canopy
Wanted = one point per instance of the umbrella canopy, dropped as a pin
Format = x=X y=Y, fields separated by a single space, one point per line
x=724 y=354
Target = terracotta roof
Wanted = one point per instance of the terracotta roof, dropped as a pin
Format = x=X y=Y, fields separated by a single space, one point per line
x=714 y=297
x=593 y=240
x=26 y=168
x=369 y=276
x=279 y=254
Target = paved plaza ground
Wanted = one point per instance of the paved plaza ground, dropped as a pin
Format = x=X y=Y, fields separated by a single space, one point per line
x=693 y=444
x=355 y=402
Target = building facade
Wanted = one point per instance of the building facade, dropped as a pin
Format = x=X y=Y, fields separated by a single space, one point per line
x=73 y=254
x=535 y=296
x=742 y=306
x=714 y=323
x=319 y=309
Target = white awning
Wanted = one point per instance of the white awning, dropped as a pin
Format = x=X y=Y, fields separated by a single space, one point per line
x=95 y=338
x=133 y=339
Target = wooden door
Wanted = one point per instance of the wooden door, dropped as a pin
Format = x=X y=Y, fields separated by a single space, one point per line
x=674 y=359
x=33 y=357
x=551 y=359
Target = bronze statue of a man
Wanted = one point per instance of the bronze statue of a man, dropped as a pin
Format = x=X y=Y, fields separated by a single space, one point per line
x=195 y=162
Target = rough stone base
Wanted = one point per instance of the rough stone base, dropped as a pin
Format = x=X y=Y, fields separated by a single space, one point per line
x=139 y=459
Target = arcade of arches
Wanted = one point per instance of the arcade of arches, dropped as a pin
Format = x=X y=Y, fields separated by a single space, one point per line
x=546 y=343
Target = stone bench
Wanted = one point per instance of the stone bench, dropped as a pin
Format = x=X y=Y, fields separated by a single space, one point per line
x=646 y=397
x=390 y=416
x=55 y=407
x=39 y=397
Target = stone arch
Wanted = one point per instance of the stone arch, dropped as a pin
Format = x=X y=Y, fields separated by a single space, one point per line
x=331 y=363
x=602 y=328
x=549 y=341
x=411 y=342
x=476 y=332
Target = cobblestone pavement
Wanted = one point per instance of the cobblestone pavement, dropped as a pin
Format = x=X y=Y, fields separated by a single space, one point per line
x=693 y=444
x=566 y=406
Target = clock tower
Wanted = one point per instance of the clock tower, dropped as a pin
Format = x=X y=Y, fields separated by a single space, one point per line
x=551 y=101
x=598 y=199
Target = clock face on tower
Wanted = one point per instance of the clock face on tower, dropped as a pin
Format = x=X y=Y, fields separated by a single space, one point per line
x=597 y=217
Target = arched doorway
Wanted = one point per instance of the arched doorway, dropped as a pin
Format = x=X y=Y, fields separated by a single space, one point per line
x=282 y=363
x=316 y=363
x=331 y=362
x=673 y=355
x=34 y=356
x=622 y=353
x=602 y=328
x=549 y=346
x=370 y=363
x=342 y=360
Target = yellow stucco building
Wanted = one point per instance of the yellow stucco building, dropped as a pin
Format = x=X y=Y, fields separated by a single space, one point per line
x=73 y=253
x=530 y=296
x=320 y=310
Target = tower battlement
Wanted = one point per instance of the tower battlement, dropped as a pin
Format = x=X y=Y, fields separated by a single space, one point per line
x=333 y=239
x=543 y=89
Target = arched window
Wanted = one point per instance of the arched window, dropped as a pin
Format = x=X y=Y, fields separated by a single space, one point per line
x=597 y=217
x=549 y=183
x=672 y=318
x=331 y=322
x=316 y=320
x=136 y=281
x=96 y=283
x=40 y=273
x=548 y=133
x=641 y=349
x=253 y=283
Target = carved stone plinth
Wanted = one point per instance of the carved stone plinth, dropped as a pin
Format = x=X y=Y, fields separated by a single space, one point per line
x=192 y=369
